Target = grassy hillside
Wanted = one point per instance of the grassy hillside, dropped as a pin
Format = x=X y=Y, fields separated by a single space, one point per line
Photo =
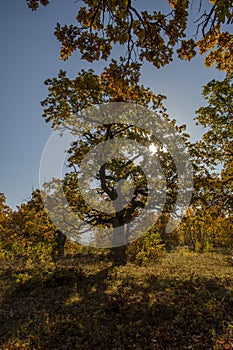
x=182 y=301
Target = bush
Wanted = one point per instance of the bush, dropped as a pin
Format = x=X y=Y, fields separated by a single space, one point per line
x=146 y=248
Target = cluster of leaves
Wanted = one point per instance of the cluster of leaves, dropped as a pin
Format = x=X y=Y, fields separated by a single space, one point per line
x=148 y=35
x=118 y=83
x=104 y=23
x=34 y=4
x=217 y=44
x=147 y=248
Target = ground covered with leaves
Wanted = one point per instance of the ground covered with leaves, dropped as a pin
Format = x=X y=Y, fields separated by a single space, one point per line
x=182 y=301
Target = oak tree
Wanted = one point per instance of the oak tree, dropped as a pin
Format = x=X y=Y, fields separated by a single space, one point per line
x=118 y=83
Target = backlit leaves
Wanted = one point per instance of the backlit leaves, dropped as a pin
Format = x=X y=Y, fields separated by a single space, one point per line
x=219 y=46
x=118 y=82
x=148 y=35
x=34 y=4
x=187 y=49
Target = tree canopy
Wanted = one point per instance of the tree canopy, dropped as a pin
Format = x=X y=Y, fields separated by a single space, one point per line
x=68 y=98
x=149 y=34
x=215 y=149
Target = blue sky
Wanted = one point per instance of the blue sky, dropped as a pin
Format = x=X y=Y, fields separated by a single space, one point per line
x=30 y=55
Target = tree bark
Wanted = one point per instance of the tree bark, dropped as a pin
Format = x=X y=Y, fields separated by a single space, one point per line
x=119 y=244
x=60 y=243
x=119 y=255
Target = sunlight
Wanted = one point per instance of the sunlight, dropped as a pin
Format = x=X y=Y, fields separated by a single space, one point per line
x=153 y=148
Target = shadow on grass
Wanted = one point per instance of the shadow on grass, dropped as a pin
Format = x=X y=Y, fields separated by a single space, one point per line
x=72 y=308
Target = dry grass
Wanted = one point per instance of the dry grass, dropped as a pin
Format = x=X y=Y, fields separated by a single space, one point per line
x=183 y=301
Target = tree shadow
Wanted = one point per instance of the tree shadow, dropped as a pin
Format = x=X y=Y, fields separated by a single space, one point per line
x=70 y=308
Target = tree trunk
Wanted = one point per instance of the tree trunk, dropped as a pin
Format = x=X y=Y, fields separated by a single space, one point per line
x=60 y=241
x=119 y=255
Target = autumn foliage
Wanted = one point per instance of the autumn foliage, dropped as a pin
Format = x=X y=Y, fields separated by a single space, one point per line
x=176 y=289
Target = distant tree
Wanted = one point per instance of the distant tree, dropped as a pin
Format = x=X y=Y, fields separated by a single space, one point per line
x=214 y=153
x=206 y=228
x=5 y=217
x=27 y=232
